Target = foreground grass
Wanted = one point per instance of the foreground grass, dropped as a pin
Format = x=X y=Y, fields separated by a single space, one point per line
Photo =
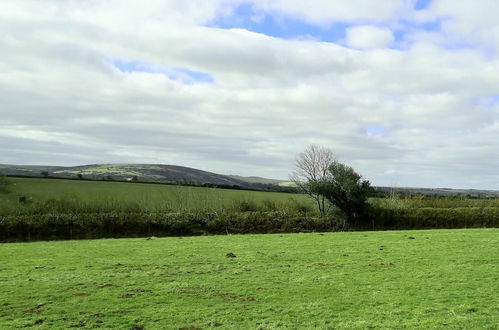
x=411 y=279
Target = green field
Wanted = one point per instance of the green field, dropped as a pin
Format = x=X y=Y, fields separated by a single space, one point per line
x=387 y=280
x=146 y=196
x=159 y=197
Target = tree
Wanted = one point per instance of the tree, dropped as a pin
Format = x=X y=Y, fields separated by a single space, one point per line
x=330 y=183
x=311 y=167
x=44 y=173
x=345 y=189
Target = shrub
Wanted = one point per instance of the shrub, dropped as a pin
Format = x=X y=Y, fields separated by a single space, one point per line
x=428 y=217
x=4 y=184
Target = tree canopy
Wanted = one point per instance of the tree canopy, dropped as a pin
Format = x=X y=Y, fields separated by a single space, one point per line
x=345 y=189
x=331 y=184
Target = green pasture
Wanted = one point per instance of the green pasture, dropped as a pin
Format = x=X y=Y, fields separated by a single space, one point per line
x=440 y=279
x=147 y=196
x=184 y=198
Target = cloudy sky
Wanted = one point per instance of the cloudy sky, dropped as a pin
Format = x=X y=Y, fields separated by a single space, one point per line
x=405 y=91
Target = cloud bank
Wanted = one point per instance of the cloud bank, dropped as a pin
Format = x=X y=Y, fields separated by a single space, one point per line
x=406 y=92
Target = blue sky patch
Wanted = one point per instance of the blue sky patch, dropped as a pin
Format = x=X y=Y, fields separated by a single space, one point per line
x=375 y=130
x=245 y=17
x=422 y=4
x=184 y=75
x=493 y=101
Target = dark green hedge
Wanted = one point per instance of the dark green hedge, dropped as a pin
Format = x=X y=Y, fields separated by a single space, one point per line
x=426 y=217
x=111 y=224
x=55 y=225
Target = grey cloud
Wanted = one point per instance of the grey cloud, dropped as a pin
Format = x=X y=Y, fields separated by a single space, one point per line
x=63 y=102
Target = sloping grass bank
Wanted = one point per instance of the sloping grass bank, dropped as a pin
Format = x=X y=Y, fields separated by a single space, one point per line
x=442 y=279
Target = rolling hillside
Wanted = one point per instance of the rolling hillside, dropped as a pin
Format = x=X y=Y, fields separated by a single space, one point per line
x=140 y=172
x=186 y=175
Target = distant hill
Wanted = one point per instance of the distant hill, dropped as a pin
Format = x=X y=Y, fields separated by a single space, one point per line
x=186 y=175
x=142 y=172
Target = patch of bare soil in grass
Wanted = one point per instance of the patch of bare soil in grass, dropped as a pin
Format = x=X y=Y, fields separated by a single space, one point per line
x=80 y=324
x=106 y=285
x=36 y=310
x=233 y=296
x=81 y=295
x=381 y=265
x=326 y=265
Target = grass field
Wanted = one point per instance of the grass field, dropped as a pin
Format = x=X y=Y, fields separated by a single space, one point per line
x=183 y=198
x=389 y=280
x=147 y=196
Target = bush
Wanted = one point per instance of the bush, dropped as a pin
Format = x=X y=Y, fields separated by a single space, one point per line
x=428 y=217
x=4 y=184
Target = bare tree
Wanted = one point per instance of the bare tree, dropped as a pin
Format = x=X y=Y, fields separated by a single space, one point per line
x=312 y=166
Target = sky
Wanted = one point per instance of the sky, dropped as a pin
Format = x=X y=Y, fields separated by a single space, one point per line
x=404 y=91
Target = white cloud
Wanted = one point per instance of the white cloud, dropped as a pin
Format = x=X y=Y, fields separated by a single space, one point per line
x=465 y=23
x=63 y=101
x=367 y=37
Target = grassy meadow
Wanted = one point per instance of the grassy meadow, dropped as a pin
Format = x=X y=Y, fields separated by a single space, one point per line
x=152 y=197
x=432 y=279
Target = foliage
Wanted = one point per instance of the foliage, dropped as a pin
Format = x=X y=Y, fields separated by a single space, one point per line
x=442 y=279
x=397 y=201
x=429 y=217
x=345 y=189
x=65 y=225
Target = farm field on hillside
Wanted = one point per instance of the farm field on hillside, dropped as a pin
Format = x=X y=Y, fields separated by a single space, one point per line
x=148 y=196
x=401 y=279
x=185 y=198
